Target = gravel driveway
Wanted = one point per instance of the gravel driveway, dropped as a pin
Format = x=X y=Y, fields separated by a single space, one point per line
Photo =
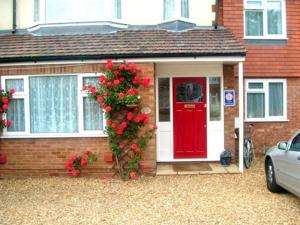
x=196 y=199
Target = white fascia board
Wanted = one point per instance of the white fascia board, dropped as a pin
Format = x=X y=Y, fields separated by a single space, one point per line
x=136 y=60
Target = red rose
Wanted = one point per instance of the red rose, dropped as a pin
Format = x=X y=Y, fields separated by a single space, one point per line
x=120 y=131
x=132 y=91
x=122 y=67
x=132 y=67
x=5 y=100
x=100 y=99
x=136 y=80
x=131 y=155
x=134 y=146
x=121 y=145
x=5 y=107
x=114 y=125
x=74 y=173
x=116 y=82
x=108 y=122
x=108 y=109
x=138 y=151
x=108 y=84
x=139 y=70
x=87 y=151
x=146 y=82
x=1 y=110
x=116 y=73
x=12 y=91
x=137 y=119
x=83 y=162
x=122 y=79
x=121 y=95
x=142 y=166
x=129 y=116
x=109 y=65
x=123 y=125
x=8 y=123
x=102 y=78
x=93 y=91
x=3 y=123
x=73 y=158
x=133 y=175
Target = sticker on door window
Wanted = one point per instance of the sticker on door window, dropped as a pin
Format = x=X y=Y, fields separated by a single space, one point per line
x=189 y=92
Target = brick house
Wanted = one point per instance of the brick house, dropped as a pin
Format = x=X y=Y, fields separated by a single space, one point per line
x=50 y=49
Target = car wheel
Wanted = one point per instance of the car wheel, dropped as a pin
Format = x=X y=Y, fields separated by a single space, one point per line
x=270 y=176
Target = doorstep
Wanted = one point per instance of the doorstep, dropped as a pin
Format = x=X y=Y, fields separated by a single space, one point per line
x=165 y=169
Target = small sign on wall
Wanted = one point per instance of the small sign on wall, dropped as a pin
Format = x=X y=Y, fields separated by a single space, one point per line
x=229 y=98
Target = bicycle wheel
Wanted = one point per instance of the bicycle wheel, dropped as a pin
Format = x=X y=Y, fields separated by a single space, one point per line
x=248 y=154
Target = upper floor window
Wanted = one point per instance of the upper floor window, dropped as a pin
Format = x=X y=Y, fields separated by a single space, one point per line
x=76 y=10
x=174 y=9
x=265 y=18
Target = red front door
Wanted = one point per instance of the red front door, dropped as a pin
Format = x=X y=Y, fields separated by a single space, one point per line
x=189 y=112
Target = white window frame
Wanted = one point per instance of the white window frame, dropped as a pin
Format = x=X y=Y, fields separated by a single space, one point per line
x=265 y=35
x=25 y=95
x=265 y=91
x=76 y=18
x=177 y=14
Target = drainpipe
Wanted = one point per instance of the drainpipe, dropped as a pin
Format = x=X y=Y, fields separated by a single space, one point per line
x=217 y=14
x=14 y=25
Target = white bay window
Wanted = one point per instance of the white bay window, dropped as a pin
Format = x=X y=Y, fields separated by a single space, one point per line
x=76 y=10
x=265 y=19
x=266 y=100
x=52 y=106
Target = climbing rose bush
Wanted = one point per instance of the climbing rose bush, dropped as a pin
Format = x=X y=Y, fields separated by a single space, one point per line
x=119 y=96
x=4 y=103
x=76 y=163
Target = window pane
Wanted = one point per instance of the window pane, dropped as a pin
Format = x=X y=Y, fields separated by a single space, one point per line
x=91 y=10
x=17 y=84
x=189 y=92
x=214 y=99
x=16 y=114
x=92 y=114
x=36 y=16
x=185 y=8
x=276 y=99
x=164 y=99
x=254 y=23
x=53 y=104
x=254 y=4
x=274 y=17
x=255 y=105
x=255 y=85
x=296 y=144
x=169 y=9
x=91 y=81
x=59 y=10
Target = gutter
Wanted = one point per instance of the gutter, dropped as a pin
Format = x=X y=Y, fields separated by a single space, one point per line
x=217 y=14
x=14 y=23
x=117 y=56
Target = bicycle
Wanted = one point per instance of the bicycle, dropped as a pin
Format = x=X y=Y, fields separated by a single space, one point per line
x=249 y=154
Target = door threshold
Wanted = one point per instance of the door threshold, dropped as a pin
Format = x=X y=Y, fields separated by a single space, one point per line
x=183 y=168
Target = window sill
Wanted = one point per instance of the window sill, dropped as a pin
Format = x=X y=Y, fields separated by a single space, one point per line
x=266 y=120
x=265 y=38
x=56 y=135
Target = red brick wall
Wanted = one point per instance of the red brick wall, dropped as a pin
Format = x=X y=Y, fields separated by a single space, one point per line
x=272 y=62
x=266 y=60
x=44 y=156
x=229 y=112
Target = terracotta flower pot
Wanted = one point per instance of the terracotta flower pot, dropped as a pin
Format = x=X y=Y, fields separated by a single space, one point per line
x=108 y=157
x=131 y=106
x=3 y=158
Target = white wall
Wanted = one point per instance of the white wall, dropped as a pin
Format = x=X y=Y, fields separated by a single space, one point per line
x=137 y=12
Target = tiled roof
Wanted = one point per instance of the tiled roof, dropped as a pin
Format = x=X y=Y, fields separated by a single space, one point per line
x=121 y=44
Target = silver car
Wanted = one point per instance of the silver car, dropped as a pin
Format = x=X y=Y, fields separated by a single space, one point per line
x=282 y=166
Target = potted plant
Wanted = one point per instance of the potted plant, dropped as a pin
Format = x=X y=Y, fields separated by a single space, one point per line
x=225 y=157
x=131 y=101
